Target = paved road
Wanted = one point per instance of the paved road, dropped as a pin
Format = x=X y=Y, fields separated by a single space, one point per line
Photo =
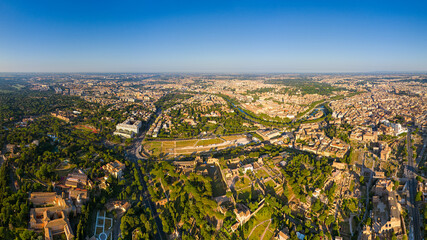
x=133 y=154
x=413 y=210
x=116 y=228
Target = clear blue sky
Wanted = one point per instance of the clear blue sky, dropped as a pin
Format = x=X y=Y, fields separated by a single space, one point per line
x=213 y=36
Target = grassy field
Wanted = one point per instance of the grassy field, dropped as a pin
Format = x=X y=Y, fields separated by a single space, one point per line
x=184 y=151
x=63 y=169
x=155 y=147
x=231 y=138
x=169 y=144
x=261 y=173
x=270 y=183
x=168 y=147
x=369 y=163
x=239 y=184
x=220 y=130
x=259 y=217
x=183 y=147
x=270 y=186
x=356 y=157
x=18 y=86
x=209 y=141
x=258 y=231
x=185 y=143
x=269 y=233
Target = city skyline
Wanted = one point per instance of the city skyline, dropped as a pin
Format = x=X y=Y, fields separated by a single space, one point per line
x=213 y=156
x=225 y=36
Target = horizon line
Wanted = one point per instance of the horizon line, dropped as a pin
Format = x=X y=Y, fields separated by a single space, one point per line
x=209 y=72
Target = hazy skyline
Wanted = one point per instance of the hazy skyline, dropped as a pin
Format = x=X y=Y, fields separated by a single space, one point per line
x=220 y=36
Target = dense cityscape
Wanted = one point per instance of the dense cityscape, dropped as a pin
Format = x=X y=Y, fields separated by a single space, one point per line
x=213 y=156
x=213 y=120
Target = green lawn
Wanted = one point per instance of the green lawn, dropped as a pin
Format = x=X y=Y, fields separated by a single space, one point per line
x=256 y=234
x=261 y=173
x=182 y=146
x=270 y=187
x=269 y=233
x=206 y=142
x=219 y=130
x=185 y=151
x=270 y=183
x=170 y=144
x=185 y=143
x=263 y=214
x=239 y=184
x=156 y=147
x=233 y=137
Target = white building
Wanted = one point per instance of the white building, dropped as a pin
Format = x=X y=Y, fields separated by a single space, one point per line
x=125 y=134
x=248 y=167
x=398 y=129
x=128 y=128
